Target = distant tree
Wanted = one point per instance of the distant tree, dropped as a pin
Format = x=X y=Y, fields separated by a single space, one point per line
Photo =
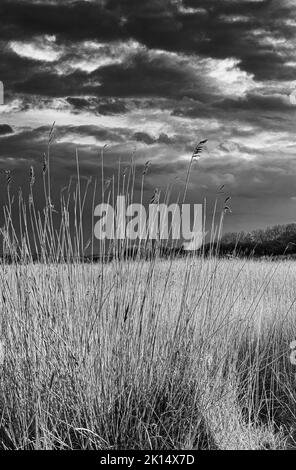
x=276 y=240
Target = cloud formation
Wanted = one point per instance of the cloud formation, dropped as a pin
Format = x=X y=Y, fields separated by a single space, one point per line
x=156 y=75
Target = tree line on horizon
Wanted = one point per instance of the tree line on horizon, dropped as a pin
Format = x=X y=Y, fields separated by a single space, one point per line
x=272 y=241
x=279 y=240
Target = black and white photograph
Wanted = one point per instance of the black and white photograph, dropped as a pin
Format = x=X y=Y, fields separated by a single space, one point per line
x=148 y=228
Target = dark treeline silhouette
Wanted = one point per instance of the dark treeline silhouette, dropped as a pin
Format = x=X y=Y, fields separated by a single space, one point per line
x=278 y=240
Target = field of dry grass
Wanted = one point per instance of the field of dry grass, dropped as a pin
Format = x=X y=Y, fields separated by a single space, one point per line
x=180 y=354
x=188 y=353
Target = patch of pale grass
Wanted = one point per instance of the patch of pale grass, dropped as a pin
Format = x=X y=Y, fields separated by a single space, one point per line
x=180 y=354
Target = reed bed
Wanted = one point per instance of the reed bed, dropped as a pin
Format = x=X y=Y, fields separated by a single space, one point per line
x=142 y=353
x=181 y=354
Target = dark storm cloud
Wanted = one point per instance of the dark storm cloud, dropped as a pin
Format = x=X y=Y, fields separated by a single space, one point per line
x=246 y=31
x=14 y=68
x=104 y=107
x=163 y=74
x=212 y=28
x=149 y=140
x=255 y=102
x=53 y=85
x=5 y=129
x=34 y=141
x=28 y=145
x=272 y=112
x=73 y=20
x=78 y=103
x=143 y=137
x=110 y=107
x=142 y=76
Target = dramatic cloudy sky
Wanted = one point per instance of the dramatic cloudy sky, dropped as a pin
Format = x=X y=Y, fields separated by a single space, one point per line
x=154 y=77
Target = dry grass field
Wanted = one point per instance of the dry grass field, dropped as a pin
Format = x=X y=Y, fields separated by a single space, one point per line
x=180 y=354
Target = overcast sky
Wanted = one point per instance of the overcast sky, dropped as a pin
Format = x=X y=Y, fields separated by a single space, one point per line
x=155 y=77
